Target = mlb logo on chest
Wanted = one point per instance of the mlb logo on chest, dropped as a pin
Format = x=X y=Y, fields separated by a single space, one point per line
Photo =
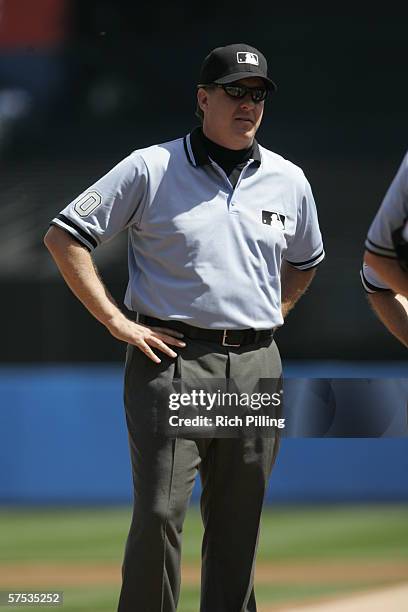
x=246 y=57
x=274 y=219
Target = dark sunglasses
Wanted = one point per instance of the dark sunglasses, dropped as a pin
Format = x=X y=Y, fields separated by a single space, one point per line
x=258 y=94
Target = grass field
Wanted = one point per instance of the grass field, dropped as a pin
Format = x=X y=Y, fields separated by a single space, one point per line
x=304 y=553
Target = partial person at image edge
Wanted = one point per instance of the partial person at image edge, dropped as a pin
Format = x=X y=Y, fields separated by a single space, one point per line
x=385 y=269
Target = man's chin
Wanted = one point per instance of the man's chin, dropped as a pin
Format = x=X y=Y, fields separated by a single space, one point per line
x=244 y=129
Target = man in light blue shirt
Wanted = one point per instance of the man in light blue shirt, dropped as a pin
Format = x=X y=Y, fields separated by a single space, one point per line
x=223 y=240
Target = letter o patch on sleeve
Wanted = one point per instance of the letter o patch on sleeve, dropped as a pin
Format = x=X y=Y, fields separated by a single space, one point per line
x=87 y=203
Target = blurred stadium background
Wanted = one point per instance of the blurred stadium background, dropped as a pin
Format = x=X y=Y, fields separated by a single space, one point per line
x=81 y=85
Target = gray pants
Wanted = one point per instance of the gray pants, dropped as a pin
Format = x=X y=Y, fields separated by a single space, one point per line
x=234 y=473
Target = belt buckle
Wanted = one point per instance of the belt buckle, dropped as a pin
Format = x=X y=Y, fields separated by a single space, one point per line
x=224 y=338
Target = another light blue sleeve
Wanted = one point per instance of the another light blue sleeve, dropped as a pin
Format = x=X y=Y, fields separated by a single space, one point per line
x=305 y=249
x=392 y=215
x=372 y=283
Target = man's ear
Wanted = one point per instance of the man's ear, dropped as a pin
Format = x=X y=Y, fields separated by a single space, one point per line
x=202 y=98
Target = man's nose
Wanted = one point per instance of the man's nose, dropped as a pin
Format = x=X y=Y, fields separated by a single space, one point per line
x=247 y=103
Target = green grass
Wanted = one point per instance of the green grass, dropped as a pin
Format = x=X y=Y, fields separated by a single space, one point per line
x=63 y=535
x=98 y=535
x=378 y=533
x=335 y=532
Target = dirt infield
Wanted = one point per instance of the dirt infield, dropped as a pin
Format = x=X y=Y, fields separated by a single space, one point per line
x=393 y=599
x=78 y=574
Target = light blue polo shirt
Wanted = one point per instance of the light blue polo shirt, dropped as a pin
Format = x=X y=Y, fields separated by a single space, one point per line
x=201 y=251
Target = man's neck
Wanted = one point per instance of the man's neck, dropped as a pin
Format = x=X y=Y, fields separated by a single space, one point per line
x=217 y=150
x=216 y=140
x=230 y=160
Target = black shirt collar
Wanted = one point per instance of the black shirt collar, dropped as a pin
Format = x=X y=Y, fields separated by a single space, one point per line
x=196 y=149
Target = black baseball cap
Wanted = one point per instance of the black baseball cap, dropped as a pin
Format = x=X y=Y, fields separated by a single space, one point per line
x=233 y=62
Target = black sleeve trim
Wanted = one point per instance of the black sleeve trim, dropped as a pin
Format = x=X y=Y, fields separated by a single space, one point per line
x=382 y=254
x=368 y=285
x=72 y=236
x=80 y=231
x=377 y=246
x=307 y=262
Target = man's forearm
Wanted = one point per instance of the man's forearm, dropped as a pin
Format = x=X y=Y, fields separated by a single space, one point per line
x=389 y=271
x=76 y=266
x=293 y=285
x=392 y=310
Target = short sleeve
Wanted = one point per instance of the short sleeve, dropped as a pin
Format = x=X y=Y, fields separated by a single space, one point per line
x=391 y=216
x=113 y=203
x=372 y=283
x=305 y=249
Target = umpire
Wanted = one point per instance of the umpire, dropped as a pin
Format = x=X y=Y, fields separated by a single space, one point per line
x=223 y=240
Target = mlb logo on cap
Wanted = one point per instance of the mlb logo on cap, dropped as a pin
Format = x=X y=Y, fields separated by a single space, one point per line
x=245 y=57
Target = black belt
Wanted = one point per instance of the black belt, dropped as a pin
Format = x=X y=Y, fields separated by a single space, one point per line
x=225 y=337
